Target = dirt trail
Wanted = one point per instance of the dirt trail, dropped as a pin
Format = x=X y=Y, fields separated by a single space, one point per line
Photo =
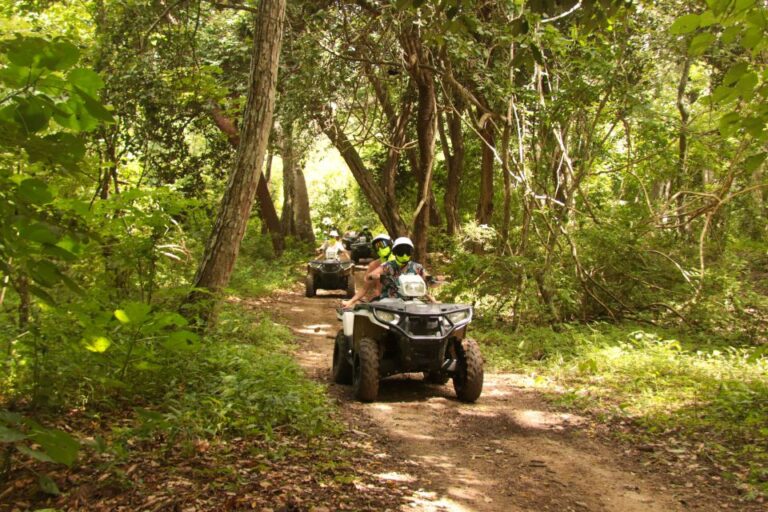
x=508 y=452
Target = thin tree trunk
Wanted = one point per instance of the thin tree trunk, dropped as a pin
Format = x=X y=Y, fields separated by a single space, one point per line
x=302 y=218
x=390 y=217
x=505 y=170
x=269 y=220
x=485 y=204
x=454 y=157
x=426 y=129
x=682 y=153
x=224 y=242
x=289 y=174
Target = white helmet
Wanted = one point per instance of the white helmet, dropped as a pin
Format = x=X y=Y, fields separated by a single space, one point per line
x=333 y=233
x=403 y=240
x=382 y=236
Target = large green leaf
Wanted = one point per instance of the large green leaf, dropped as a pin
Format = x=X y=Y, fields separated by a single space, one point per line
x=58 y=445
x=685 y=24
x=59 y=55
x=97 y=344
x=32 y=114
x=9 y=435
x=47 y=485
x=24 y=51
x=86 y=79
x=34 y=191
x=35 y=454
x=133 y=312
x=182 y=341
x=700 y=43
x=94 y=108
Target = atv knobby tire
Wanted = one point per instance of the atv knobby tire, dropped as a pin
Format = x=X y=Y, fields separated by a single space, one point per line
x=342 y=370
x=468 y=379
x=351 y=285
x=365 y=379
x=309 y=284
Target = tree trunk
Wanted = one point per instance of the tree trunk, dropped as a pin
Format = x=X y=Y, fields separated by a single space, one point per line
x=390 y=217
x=224 y=242
x=454 y=158
x=289 y=173
x=682 y=153
x=485 y=204
x=302 y=218
x=426 y=128
x=269 y=220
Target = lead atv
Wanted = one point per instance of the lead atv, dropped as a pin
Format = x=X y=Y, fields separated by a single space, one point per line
x=330 y=274
x=392 y=336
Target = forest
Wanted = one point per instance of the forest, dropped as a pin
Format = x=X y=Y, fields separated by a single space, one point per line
x=589 y=175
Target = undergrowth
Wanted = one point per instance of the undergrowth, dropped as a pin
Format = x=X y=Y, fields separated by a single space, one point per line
x=707 y=393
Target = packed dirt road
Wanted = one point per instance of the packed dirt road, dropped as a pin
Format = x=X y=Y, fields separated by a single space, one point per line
x=508 y=452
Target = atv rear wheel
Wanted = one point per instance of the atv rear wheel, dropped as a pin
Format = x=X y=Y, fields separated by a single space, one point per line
x=468 y=379
x=365 y=378
x=351 y=285
x=342 y=370
x=309 y=284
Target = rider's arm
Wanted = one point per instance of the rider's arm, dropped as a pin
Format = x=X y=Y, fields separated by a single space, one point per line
x=375 y=275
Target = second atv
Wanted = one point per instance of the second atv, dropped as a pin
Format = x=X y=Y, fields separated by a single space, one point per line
x=330 y=273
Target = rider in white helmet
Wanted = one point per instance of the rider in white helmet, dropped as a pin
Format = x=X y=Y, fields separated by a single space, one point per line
x=382 y=246
x=333 y=245
x=402 y=250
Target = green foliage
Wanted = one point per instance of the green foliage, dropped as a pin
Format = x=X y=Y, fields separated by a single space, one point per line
x=698 y=387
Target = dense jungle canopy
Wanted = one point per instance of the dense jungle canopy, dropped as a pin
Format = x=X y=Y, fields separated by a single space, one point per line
x=566 y=166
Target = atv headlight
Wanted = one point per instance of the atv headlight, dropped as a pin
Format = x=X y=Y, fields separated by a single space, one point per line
x=386 y=316
x=458 y=317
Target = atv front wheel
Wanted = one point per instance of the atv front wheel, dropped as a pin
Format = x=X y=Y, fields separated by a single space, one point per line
x=365 y=378
x=342 y=370
x=351 y=285
x=309 y=284
x=468 y=379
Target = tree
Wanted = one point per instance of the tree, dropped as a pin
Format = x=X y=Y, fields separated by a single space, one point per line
x=224 y=242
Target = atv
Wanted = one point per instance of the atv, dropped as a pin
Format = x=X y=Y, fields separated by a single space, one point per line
x=405 y=335
x=330 y=274
x=360 y=247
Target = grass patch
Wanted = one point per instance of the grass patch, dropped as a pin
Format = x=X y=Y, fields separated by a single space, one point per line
x=701 y=391
x=242 y=383
x=258 y=272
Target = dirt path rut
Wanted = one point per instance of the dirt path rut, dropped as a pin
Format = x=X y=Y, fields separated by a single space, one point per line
x=508 y=452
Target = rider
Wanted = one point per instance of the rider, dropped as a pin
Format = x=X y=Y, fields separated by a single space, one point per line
x=382 y=246
x=332 y=245
x=388 y=273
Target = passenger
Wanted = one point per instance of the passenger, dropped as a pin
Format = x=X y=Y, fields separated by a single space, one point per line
x=382 y=246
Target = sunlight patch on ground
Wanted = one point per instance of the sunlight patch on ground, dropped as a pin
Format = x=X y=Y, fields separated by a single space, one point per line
x=482 y=414
x=543 y=420
x=298 y=310
x=431 y=502
x=394 y=476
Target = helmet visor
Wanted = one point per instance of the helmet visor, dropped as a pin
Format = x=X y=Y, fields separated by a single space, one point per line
x=402 y=250
x=380 y=244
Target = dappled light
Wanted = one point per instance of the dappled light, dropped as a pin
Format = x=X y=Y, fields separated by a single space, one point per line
x=383 y=255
